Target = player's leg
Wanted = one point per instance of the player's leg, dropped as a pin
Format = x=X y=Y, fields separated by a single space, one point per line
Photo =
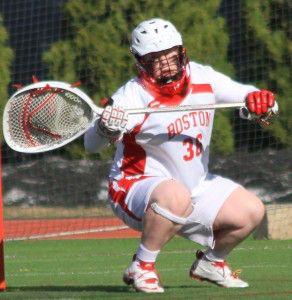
x=168 y=207
x=158 y=228
x=163 y=206
x=238 y=216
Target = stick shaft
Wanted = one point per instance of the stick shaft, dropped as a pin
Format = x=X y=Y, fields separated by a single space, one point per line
x=134 y=111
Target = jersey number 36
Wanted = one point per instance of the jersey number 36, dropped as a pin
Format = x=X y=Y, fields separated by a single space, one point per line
x=193 y=147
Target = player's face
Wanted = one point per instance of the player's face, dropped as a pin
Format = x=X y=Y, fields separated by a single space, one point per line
x=163 y=66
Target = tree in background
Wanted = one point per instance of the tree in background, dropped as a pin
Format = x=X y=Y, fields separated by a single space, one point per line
x=6 y=57
x=96 y=50
x=262 y=53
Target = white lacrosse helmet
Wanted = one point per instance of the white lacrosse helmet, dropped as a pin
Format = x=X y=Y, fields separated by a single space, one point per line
x=154 y=35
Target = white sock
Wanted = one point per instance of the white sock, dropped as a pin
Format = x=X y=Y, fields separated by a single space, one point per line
x=146 y=255
x=213 y=255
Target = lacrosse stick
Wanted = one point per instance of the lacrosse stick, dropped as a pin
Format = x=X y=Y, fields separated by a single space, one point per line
x=47 y=115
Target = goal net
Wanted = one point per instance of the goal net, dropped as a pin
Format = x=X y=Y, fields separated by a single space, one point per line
x=63 y=194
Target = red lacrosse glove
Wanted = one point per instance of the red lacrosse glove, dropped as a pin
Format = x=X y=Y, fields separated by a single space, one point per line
x=259 y=102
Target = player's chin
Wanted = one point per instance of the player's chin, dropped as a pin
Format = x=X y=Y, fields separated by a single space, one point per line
x=168 y=79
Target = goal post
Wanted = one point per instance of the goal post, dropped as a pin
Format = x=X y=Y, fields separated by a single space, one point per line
x=2 y=272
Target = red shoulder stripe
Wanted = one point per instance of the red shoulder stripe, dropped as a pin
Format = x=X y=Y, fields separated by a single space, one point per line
x=201 y=88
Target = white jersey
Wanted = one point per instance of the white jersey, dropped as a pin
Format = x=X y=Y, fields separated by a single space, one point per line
x=175 y=144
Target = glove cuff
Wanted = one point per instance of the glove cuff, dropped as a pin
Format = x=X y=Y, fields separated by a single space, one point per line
x=245 y=114
x=112 y=135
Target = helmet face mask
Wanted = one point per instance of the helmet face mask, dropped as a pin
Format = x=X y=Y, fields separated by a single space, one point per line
x=160 y=56
x=164 y=66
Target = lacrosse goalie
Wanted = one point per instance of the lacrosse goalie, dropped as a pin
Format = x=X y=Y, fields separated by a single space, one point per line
x=159 y=183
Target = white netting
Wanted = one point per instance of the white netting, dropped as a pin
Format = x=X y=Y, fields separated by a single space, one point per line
x=46 y=117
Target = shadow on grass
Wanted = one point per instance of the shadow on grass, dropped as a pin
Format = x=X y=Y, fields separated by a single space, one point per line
x=92 y=288
x=68 y=288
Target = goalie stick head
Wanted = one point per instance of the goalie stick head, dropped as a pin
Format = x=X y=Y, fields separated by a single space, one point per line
x=46 y=115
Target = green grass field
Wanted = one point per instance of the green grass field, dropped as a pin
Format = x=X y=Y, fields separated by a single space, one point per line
x=92 y=269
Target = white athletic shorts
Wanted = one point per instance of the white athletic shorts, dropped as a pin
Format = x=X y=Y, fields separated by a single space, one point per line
x=129 y=200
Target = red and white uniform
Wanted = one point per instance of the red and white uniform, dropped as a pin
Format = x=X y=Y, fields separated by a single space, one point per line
x=172 y=145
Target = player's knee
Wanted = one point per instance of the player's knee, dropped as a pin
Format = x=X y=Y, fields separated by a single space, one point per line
x=242 y=210
x=174 y=197
x=256 y=212
x=253 y=211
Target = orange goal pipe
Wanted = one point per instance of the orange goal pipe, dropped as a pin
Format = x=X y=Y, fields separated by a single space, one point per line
x=2 y=274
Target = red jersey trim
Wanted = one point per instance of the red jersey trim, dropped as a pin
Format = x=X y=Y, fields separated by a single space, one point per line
x=134 y=160
x=201 y=88
x=175 y=100
x=119 y=192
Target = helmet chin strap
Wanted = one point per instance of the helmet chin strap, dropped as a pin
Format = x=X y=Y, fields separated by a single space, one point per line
x=169 y=79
